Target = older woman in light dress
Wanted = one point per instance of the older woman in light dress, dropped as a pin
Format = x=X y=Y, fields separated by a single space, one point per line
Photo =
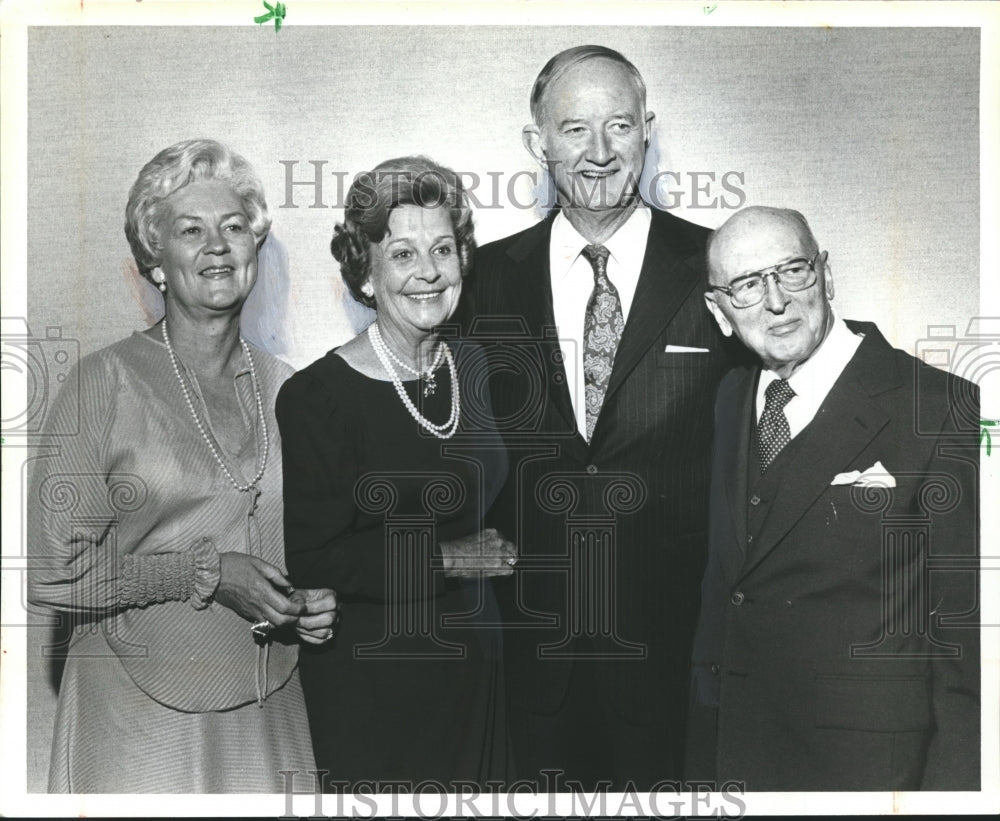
x=158 y=525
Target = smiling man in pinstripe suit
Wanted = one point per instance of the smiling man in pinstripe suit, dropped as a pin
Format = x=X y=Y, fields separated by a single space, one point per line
x=604 y=366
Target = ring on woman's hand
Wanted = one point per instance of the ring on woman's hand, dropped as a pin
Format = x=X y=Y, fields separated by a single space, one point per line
x=261 y=630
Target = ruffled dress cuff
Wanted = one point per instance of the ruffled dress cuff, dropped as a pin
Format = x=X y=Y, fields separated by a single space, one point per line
x=160 y=577
x=207 y=573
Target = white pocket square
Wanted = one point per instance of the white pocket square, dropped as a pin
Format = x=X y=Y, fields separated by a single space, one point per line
x=875 y=475
x=683 y=349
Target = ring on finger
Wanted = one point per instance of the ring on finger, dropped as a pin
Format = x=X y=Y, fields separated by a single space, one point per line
x=261 y=630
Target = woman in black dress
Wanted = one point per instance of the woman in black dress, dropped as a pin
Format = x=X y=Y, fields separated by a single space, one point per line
x=391 y=459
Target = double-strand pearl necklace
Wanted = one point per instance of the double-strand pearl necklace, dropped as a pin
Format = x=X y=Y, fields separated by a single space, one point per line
x=383 y=353
x=201 y=428
x=427 y=377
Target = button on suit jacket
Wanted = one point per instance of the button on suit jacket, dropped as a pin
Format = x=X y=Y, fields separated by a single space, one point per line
x=612 y=533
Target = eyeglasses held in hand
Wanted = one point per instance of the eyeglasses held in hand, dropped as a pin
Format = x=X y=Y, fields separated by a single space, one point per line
x=794 y=275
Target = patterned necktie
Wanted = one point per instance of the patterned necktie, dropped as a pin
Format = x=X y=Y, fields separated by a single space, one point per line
x=602 y=328
x=772 y=429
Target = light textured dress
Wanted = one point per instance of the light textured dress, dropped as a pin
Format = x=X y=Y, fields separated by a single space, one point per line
x=160 y=693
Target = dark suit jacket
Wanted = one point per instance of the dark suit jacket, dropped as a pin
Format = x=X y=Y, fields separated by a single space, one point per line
x=839 y=649
x=626 y=513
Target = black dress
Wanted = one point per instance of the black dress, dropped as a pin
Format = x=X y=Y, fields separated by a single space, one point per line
x=410 y=689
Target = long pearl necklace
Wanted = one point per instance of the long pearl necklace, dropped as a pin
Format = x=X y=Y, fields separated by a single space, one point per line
x=440 y=431
x=201 y=428
x=428 y=377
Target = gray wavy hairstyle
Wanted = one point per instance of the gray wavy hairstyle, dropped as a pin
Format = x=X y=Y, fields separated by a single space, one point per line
x=171 y=170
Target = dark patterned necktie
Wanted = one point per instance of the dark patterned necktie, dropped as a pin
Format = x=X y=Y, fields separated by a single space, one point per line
x=772 y=429
x=602 y=328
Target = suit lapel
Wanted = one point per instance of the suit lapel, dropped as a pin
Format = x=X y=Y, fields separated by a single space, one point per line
x=845 y=424
x=531 y=292
x=671 y=268
x=732 y=447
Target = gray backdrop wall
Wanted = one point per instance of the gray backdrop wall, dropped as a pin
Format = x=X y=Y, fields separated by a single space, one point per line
x=871 y=132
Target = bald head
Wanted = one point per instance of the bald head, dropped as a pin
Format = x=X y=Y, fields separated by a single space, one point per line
x=759 y=245
x=751 y=236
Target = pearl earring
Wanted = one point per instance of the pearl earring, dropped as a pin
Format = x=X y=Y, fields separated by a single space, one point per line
x=368 y=290
x=160 y=279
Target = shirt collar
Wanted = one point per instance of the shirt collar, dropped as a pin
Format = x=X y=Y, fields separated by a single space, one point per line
x=627 y=243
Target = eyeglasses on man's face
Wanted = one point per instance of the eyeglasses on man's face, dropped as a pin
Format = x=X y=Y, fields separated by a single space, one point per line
x=750 y=289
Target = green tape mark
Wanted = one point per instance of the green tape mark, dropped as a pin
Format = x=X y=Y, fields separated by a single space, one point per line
x=276 y=12
x=986 y=424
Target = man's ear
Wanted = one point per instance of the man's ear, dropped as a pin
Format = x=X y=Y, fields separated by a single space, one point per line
x=650 y=120
x=716 y=311
x=824 y=261
x=531 y=136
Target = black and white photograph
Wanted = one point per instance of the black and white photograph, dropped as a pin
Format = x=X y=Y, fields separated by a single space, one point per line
x=508 y=409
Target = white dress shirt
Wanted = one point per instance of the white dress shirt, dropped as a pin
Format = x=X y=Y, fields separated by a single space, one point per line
x=814 y=378
x=572 y=280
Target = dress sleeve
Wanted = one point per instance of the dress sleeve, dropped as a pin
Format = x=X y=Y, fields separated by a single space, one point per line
x=324 y=545
x=74 y=502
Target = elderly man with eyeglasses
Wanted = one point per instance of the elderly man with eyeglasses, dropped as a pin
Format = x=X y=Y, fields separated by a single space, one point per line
x=837 y=646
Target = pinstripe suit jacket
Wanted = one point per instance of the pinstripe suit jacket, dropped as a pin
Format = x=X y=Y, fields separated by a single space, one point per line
x=612 y=533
